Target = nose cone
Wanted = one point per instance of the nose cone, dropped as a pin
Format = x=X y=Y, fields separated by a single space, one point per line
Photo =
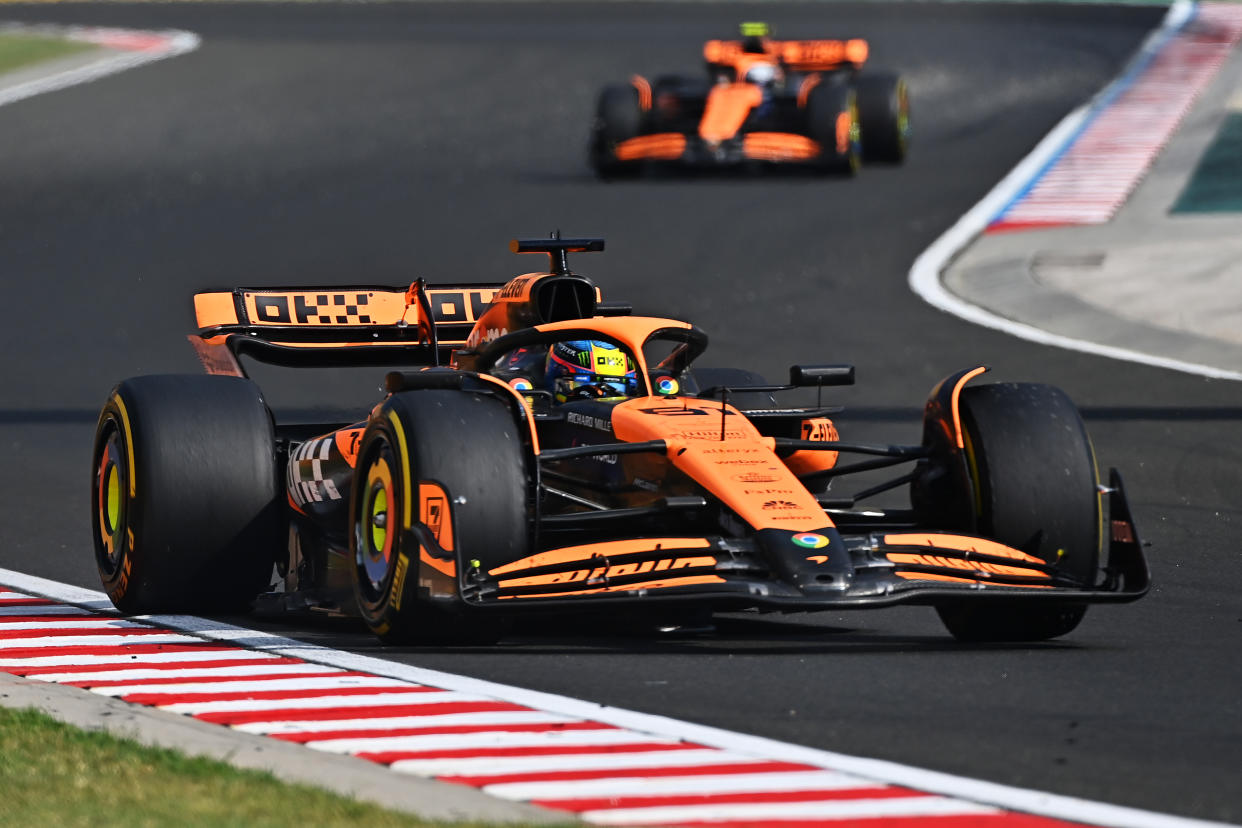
x=728 y=105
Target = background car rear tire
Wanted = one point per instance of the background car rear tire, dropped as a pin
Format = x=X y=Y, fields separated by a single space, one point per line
x=826 y=106
x=1037 y=490
x=185 y=494
x=618 y=117
x=470 y=446
x=884 y=117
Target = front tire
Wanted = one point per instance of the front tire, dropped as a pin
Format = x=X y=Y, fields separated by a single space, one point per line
x=884 y=117
x=1036 y=489
x=618 y=117
x=437 y=470
x=185 y=494
x=832 y=122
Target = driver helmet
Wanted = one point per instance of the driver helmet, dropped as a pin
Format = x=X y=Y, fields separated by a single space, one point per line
x=754 y=36
x=601 y=367
x=762 y=73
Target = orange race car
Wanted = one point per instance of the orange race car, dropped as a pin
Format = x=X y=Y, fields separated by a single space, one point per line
x=541 y=450
x=765 y=101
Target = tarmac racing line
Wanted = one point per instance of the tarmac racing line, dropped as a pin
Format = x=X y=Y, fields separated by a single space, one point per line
x=602 y=765
x=1080 y=175
x=119 y=50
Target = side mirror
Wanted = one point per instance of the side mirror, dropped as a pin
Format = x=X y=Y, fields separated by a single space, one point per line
x=804 y=376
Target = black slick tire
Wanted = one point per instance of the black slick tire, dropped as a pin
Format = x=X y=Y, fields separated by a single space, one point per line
x=1036 y=485
x=832 y=122
x=618 y=117
x=185 y=494
x=445 y=470
x=884 y=117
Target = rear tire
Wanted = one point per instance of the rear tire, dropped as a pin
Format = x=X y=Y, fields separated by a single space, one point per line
x=465 y=464
x=1037 y=490
x=618 y=117
x=884 y=117
x=185 y=494
x=832 y=122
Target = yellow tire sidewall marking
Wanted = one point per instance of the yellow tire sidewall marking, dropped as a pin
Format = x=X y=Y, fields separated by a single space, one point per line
x=407 y=493
x=128 y=434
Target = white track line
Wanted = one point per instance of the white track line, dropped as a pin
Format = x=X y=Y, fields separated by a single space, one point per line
x=174 y=43
x=188 y=673
x=382 y=722
x=682 y=785
x=490 y=739
x=462 y=688
x=366 y=700
x=61 y=641
x=258 y=685
x=857 y=811
x=924 y=278
x=619 y=761
x=128 y=659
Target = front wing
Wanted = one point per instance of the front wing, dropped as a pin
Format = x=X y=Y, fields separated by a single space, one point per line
x=691 y=150
x=873 y=569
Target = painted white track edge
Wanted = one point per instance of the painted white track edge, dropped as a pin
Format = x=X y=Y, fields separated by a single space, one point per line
x=924 y=277
x=1017 y=799
x=179 y=43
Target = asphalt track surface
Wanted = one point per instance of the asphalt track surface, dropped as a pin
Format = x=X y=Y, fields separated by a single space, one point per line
x=323 y=144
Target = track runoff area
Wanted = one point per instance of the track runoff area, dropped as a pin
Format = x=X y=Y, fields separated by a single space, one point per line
x=1083 y=171
x=603 y=765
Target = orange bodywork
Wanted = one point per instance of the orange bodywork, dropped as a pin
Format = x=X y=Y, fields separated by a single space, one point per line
x=662 y=146
x=214 y=309
x=957 y=395
x=779 y=146
x=721 y=450
x=821 y=55
x=820 y=429
x=961 y=543
x=663 y=583
x=597 y=562
x=712 y=443
x=728 y=106
x=589 y=553
x=335 y=307
x=798 y=55
x=644 y=91
x=804 y=90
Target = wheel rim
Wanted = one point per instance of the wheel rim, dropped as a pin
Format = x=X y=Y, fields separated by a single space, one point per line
x=375 y=530
x=856 y=148
x=111 y=502
x=379 y=518
x=903 y=117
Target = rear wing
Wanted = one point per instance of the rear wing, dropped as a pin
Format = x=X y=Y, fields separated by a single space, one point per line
x=380 y=326
x=795 y=55
x=336 y=326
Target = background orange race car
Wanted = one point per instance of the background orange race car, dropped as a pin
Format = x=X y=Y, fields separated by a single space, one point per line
x=542 y=450
x=762 y=100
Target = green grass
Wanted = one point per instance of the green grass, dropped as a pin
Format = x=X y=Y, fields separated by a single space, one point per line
x=17 y=51
x=55 y=774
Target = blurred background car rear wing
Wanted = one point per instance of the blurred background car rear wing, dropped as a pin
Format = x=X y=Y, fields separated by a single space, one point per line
x=795 y=55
